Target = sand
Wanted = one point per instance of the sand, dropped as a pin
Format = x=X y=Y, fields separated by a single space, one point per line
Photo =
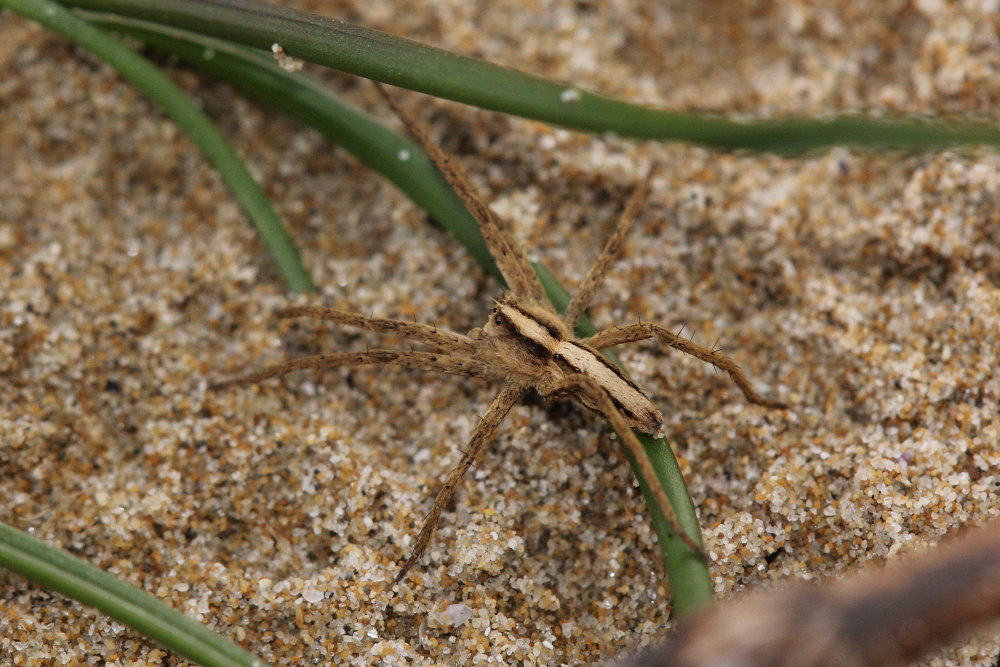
x=863 y=288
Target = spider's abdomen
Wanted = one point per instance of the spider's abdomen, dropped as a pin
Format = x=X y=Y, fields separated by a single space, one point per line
x=574 y=357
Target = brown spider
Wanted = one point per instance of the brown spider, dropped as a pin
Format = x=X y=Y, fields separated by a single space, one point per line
x=524 y=343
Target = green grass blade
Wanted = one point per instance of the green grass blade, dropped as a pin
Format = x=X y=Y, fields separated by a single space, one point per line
x=402 y=62
x=59 y=571
x=379 y=148
x=199 y=127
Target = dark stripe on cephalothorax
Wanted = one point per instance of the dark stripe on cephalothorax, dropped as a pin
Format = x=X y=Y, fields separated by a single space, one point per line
x=524 y=324
x=536 y=349
x=531 y=346
x=550 y=328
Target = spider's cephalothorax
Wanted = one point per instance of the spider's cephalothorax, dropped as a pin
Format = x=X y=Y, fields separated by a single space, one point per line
x=524 y=343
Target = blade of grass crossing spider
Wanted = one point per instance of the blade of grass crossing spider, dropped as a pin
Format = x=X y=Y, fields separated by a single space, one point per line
x=690 y=581
x=59 y=571
x=199 y=127
x=408 y=64
x=381 y=149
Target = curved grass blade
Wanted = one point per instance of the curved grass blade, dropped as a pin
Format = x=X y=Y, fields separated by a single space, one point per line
x=57 y=570
x=408 y=64
x=172 y=100
x=381 y=149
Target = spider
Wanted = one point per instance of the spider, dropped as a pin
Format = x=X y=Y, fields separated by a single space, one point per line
x=525 y=343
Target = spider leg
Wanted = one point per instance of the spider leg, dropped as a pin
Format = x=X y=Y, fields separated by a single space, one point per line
x=424 y=333
x=509 y=256
x=482 y=436
x=644 y=330
x=592 y=281
x=587 y=384
x=427 y=361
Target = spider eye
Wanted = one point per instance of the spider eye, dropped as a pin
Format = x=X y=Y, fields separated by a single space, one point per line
x=497 y=320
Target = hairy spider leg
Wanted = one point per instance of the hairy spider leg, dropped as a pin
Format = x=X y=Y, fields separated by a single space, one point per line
x=485 y=431
x=431 y=335
x=595 y=276
x=425 y=361
x=510 y=257
x=644 y=330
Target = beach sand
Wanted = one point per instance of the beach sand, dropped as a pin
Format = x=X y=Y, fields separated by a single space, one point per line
x=862 y=288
